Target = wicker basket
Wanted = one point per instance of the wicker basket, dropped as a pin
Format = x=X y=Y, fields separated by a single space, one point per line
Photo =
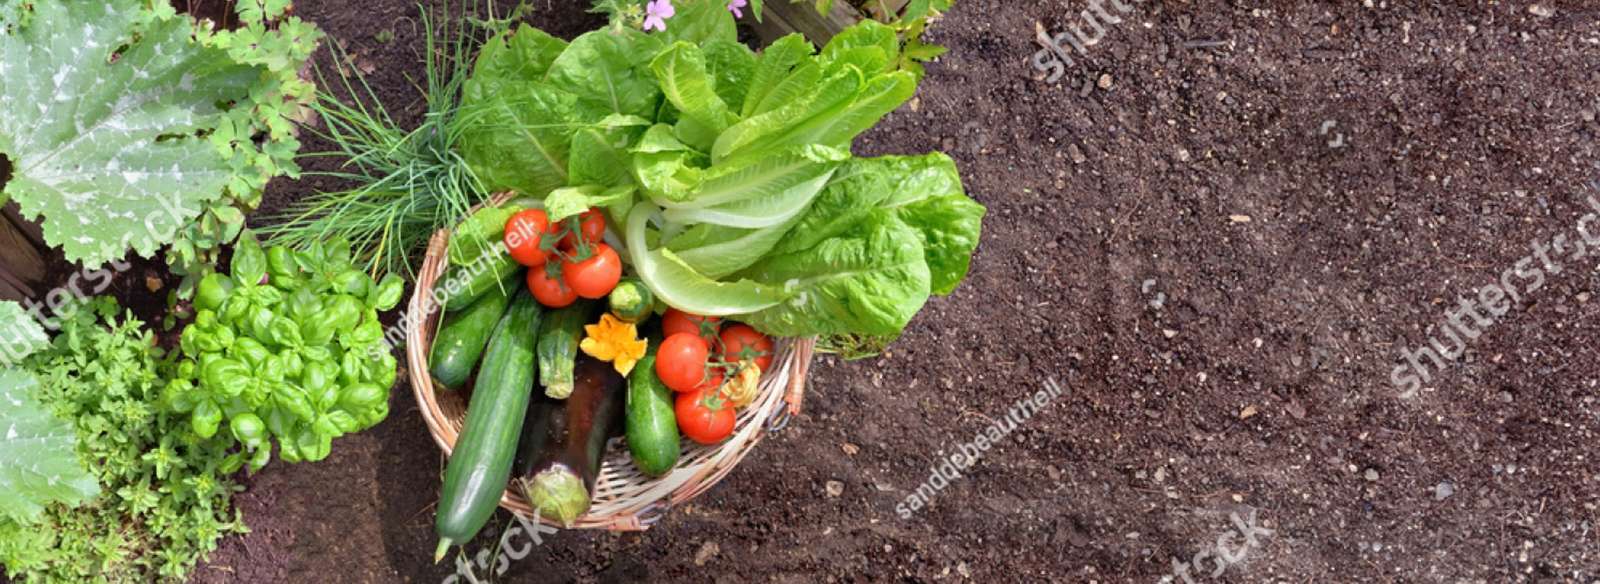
x=624 y=499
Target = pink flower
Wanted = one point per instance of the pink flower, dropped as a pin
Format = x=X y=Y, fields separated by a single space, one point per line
x=656 y=14
x=735 y=5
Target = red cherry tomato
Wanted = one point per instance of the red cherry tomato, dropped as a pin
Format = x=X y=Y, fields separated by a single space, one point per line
x=704 y=417
x=592 y=224
x=677 y=321
x=524 y=232
x=740 y=342
x=551 y=292
x=711 y=384
x=681 y=362
x=597 y=276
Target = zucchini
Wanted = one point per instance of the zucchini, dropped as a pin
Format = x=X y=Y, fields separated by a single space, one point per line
x=472 y=281
x=631 y=301
x=462 y=338
x=652 y=427
x=560 y=483
x=558 y=347
x=480 y=467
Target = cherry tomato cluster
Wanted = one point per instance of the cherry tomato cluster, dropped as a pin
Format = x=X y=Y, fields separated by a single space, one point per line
x=694 y=360
x=566 y=259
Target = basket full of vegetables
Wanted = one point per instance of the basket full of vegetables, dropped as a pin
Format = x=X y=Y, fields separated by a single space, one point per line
x=681 y=219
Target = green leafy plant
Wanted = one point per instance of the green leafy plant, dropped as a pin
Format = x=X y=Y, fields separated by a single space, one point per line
x=288 y=347
x=405 y=184
x=145 y=129
x=38 y=459
x=730 y=172
x=164 y=496
x=259 y=132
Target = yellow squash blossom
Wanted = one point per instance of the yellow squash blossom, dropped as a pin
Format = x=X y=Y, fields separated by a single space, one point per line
x=743 y=388
x=615 y=341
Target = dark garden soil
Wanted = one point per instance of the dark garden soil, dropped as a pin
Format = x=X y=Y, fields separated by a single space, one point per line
x=1218 y=232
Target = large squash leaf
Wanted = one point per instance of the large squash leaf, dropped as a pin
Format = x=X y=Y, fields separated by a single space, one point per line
x=20 y=334
x=39 y=456
x=106 y=107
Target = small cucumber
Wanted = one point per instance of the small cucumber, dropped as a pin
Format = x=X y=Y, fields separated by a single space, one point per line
x=558 y=347
x=631 y=301
x=462 y=338
x=480 y=231
x=652 y=427
x=460 y=286
x=480 y=467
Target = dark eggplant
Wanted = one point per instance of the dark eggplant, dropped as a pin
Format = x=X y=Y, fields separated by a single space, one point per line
x=564 y=447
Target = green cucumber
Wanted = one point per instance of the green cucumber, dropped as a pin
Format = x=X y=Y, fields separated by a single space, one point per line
x=631 y=301
x=480 y=467
x=462 y=338
x=558 y=347
x=460 y=286
x=480 y=231
x=652 y=427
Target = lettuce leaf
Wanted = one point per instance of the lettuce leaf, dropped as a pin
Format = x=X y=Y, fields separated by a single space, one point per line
x=518 y=134
x=924 y=191
x=681 y=286
x=608 y=72
x=871 y=281
x=525 y=54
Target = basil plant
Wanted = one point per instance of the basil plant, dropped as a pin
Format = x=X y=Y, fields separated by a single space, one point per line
x=289 y=347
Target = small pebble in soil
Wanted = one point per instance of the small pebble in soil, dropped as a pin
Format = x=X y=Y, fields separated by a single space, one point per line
x=1371 y=475
x=1443 y=490
x=1541 y=11
x=707 y=551
x=835 y=488
x=1105 y=81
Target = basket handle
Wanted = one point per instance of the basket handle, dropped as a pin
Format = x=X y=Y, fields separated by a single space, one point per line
x=796 y=393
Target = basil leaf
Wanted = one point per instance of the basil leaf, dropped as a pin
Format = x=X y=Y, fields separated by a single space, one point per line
x=249 y=262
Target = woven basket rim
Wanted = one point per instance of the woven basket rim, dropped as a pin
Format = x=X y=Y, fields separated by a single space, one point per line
x=624 y=499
